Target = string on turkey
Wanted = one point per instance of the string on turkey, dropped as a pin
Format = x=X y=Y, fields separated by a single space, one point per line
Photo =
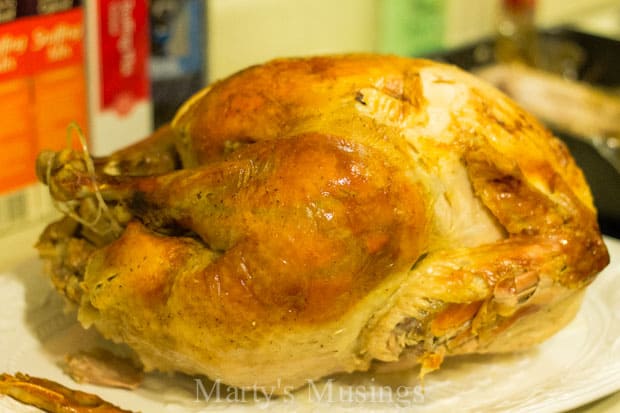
x=73 y=129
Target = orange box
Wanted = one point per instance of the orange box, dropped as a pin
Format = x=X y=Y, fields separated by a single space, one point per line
x=42 y=90
x=17 y=134
x=59 y=79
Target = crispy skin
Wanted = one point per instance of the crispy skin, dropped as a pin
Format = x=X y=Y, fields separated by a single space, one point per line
x=313 y=216
x=53 y=397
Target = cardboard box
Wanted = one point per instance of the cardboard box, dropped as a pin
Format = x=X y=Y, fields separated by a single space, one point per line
x=178 y=54
x=117 y=44
x=42 y=90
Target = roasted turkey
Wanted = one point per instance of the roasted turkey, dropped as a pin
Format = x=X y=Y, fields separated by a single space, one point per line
x=311 y=216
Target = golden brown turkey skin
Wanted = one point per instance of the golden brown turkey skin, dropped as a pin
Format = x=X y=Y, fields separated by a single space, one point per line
x=313 y=216
x=293 y=231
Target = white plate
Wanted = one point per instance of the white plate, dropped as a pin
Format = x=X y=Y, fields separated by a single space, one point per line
x=578 y=365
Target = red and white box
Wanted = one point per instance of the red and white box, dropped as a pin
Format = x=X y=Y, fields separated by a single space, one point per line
x=119 y=98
